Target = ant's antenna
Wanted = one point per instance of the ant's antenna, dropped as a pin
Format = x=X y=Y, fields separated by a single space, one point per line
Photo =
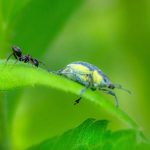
x=43 y=65
x=118 y=86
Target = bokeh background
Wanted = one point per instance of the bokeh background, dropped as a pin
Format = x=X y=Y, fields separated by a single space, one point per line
x=111 y=34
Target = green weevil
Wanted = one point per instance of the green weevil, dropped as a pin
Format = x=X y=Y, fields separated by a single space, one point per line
x=91 y=77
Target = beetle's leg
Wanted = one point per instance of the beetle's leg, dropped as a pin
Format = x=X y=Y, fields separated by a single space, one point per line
x=113 y=94
x=81 y=92
x=89 y=82
x=84 y=89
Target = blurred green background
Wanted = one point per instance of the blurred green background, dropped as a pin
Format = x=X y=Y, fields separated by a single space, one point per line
x=111 y=34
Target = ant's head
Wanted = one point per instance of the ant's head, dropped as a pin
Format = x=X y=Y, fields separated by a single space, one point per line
x=17 y=51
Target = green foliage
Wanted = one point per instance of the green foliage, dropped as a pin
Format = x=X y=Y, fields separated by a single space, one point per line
x=58 y=32
x=20 y=75
x=41 y=21
x=46 y=23
x=94 y=135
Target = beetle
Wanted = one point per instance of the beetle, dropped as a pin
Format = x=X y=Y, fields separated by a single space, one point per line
x=91 y=77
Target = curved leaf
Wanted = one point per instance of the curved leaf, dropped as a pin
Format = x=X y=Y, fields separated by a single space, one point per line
x=20 y=75
x=93 y=135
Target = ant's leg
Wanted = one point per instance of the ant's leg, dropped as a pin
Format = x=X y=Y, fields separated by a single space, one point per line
x=30 y=61
x=9 y=57
x=15 y=56
x=113 y=94
x=16 y=61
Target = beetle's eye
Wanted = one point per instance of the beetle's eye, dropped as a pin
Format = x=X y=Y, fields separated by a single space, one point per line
x=111 y=86
x=105 y=80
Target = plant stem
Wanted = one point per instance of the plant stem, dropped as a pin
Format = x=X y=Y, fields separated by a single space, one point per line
x=4 y=132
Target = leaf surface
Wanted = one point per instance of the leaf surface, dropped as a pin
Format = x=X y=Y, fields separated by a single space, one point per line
x=94 y=135
x=21 y=75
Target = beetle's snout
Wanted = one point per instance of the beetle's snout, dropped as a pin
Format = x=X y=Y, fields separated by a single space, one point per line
x=111 y=86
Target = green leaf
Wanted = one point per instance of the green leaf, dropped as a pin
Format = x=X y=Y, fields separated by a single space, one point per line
x=21 y=75
x=40 y=22
x=33 y=24
x=94 y=135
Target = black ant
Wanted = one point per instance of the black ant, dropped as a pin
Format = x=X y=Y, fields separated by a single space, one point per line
x=24 y=58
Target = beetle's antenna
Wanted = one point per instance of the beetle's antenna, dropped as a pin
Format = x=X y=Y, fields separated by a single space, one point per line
x=118 y=86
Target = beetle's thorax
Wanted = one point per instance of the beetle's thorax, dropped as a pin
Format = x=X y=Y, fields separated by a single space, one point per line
x=97 y=79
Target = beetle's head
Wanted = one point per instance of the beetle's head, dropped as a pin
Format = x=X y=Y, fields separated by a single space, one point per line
x=118 y=86
x=105 y=82
x=111 y=86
